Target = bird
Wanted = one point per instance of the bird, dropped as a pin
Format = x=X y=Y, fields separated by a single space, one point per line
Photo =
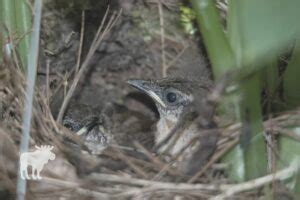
x=88 y=123
x=185 y=117
x=112 y=125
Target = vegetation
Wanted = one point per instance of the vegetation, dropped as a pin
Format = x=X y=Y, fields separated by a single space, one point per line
x=16 y=25
x=249 y=45
x=254 y=51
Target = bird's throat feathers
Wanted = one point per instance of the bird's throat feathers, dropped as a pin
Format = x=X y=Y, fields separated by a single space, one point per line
x=168 y=120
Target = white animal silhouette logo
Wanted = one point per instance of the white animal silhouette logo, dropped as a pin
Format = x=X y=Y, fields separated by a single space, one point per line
x=36 y=159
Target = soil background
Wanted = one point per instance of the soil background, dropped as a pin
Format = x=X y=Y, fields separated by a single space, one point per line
x=132 y=49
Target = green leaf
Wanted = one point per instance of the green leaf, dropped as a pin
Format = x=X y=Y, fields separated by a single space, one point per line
x=289 y=150
x=249 y=111
x=218 y=48
x=270 y=79
x=257 y=31
x=291 y=80
x=236 y=164
x=16 y=21
x=262 y=27
x=8 y=22
x=246 y=163
x=23 y=25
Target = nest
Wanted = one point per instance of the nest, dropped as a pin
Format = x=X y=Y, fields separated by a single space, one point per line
x=77 y=174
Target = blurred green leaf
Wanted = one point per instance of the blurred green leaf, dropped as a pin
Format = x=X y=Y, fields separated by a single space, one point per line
x=249 y=111
x=270 y=80
x=289 y=150
x=8 y=14
x=16 y=22
x=240 y=165
x=7 y=18
x=262 y=27
x=236 y=164
x=257 y=32
x=23 y=26
x=218 y=48
x=291 y=80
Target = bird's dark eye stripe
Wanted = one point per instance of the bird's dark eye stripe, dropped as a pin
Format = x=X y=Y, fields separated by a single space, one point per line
x=171 y=97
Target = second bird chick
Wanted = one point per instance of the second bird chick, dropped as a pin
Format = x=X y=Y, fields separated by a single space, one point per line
x=87 y=122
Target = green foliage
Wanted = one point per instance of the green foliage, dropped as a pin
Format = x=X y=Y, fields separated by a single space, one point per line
x=289 y=150
x=7 y=18
x=271 y=84
x=16 y=22
x=216 y=42
x=187 y=17
x=257 y=32
x=23 y=28
x=252 y=140
x=249 y=111
x=291 y=80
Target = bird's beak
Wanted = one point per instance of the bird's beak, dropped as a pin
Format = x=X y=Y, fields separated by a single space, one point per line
x=147 y=87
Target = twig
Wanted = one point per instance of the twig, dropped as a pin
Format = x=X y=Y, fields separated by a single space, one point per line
x=80 y=72
x=65 y=83
x=75 y=186
x=176 y=57
x=47 y=83
x=272 y=152
x=95 y=44
x=256 y=183
x=149 y=155
x=66 y=44
x=289 y=133
x=162 y=38
x=80 y=41
x=30 y=6
x=130 y=163
x=166 y=168
x=159 y=164
x=226 y=189
x=61 y=83
x=216 y=157
x=148 y=193
x=155 y=184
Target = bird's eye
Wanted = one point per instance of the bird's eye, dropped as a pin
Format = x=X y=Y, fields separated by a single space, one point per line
x=171 y=97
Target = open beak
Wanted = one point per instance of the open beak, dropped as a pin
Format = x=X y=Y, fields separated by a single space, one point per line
x=147 y=87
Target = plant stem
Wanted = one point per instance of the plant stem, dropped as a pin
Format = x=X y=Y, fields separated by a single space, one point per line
x=29 y=96
x=23 y=25
x=216 y=42
x=291 y=80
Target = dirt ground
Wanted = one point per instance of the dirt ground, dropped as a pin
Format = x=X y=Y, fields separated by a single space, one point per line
x=132 y=49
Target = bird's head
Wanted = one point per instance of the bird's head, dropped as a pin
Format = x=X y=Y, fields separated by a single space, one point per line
x=171 y=96
x=177 y=102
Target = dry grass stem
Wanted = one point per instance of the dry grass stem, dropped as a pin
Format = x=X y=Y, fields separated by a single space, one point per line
x=80 y=41
x=162 y=38
x=213 y=160
x=259 y=182
x=95 y=44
